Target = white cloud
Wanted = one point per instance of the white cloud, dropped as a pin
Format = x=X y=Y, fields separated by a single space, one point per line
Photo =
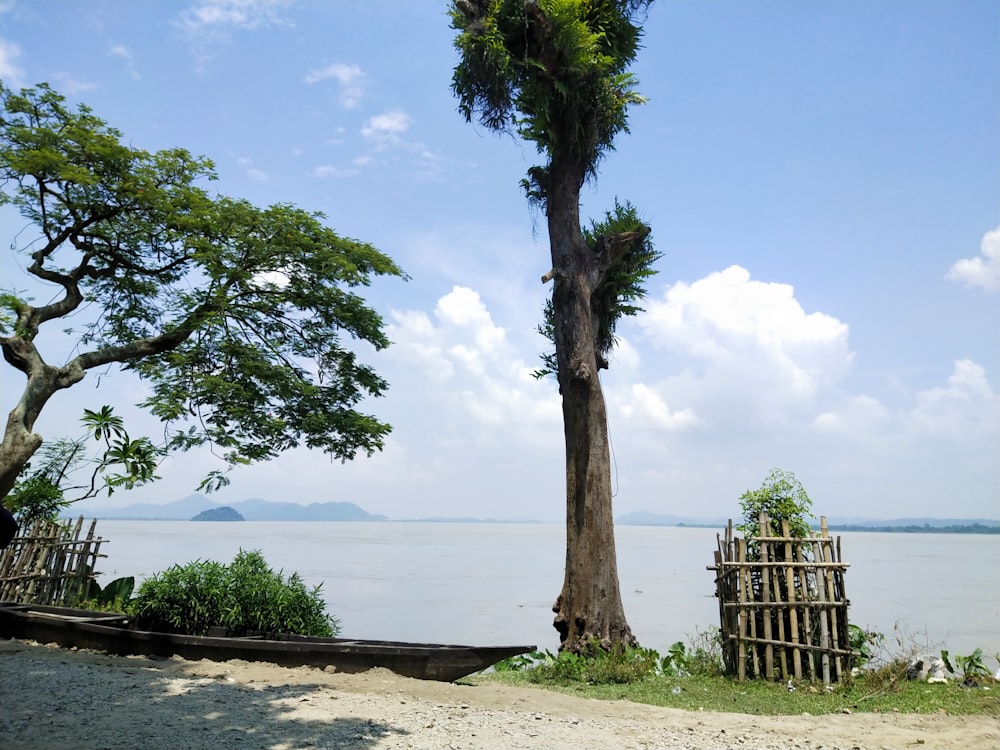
x=643 y=405
x=859 y=416
x=216 y=16
x=11 y=73
x=69 y=85
x=350 y=77
x=329 y=170
x=123 y=52
x=209 y=23
x=745 y=345
x=467 y=355
x=981 y=271
x=387 y=128
x=475 y=434
x=250 y=170
x=966 y=408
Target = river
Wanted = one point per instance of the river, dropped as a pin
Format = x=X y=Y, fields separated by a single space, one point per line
x=495 y=583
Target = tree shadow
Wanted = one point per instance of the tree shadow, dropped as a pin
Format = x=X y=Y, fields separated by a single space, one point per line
x=52 y=707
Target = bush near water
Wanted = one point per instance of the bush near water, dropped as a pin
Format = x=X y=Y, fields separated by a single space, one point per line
x=245 y=596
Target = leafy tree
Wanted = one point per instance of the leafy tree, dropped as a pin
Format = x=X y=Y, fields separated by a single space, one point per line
x=235 y=316
x=555 y=72
x=783 y=498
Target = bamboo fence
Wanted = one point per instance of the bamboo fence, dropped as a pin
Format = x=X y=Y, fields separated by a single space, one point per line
x=52 y=564
x=782 y=605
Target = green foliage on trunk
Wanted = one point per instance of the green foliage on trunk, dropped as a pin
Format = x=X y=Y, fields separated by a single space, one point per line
x=621 y=287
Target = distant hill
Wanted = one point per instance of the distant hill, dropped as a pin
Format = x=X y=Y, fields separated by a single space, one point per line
x=249 y=510
x=469 y=519
x=225 y=513
x=645 y=518
x=902 y=525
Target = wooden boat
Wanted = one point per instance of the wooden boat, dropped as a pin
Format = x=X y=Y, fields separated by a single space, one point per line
x=112 y=633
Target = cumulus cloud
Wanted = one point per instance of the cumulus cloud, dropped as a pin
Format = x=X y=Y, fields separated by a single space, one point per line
x=350 y=77
x=982 y=271
x=462 y=352
x=965 y=408
x=707 y=410
x=643 y=404
x=745 y=345
x=858 y=415
x=12 y=74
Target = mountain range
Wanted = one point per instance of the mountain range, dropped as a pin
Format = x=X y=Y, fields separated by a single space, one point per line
x=251 y=510
x=257 y=509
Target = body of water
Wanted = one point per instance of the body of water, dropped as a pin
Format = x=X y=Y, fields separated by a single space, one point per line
x=495 y=583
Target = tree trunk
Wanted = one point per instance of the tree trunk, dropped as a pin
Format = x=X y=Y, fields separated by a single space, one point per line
x=19 y=443
x=589 y=607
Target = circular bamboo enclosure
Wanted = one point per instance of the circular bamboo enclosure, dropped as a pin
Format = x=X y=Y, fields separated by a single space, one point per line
x=782 y=605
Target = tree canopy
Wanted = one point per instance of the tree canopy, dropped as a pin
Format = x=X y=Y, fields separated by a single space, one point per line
x=245 y=322
x=554 y=71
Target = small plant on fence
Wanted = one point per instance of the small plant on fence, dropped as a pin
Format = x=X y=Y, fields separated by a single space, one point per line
x=864 y=644
x=783 y=498
x=245 y=596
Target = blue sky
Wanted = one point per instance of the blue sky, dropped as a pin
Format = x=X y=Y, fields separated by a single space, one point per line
x=822 y=179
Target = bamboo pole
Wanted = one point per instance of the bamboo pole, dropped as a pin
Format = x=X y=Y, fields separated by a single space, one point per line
x=743 y=578
x=765 y=595
x=824 y=623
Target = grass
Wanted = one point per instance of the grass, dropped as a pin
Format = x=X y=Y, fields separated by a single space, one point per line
x=691 y=681
x=698 y=693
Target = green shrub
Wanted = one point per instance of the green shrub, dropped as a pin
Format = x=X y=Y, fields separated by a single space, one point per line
x=596 y=666
x=245 y=596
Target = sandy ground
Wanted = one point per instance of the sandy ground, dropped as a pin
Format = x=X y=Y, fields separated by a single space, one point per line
x=54 y=699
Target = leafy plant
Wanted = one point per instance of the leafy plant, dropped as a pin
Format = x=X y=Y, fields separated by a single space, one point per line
x=783 y=498
x=704 y=658
x=595 y=666
x=34 y=498
x=675 y=661
x=519 y=663
x=970 y=667
x=864 y=644
x=112 y=598
x=243 y=596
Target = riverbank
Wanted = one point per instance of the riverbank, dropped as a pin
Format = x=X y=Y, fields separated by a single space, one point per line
x=55 y=699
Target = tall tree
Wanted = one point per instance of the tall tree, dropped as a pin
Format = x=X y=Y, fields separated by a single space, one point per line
x=234 y=315
x=555 y=72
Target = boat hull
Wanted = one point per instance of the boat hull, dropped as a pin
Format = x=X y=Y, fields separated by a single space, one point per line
x=76 y=628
